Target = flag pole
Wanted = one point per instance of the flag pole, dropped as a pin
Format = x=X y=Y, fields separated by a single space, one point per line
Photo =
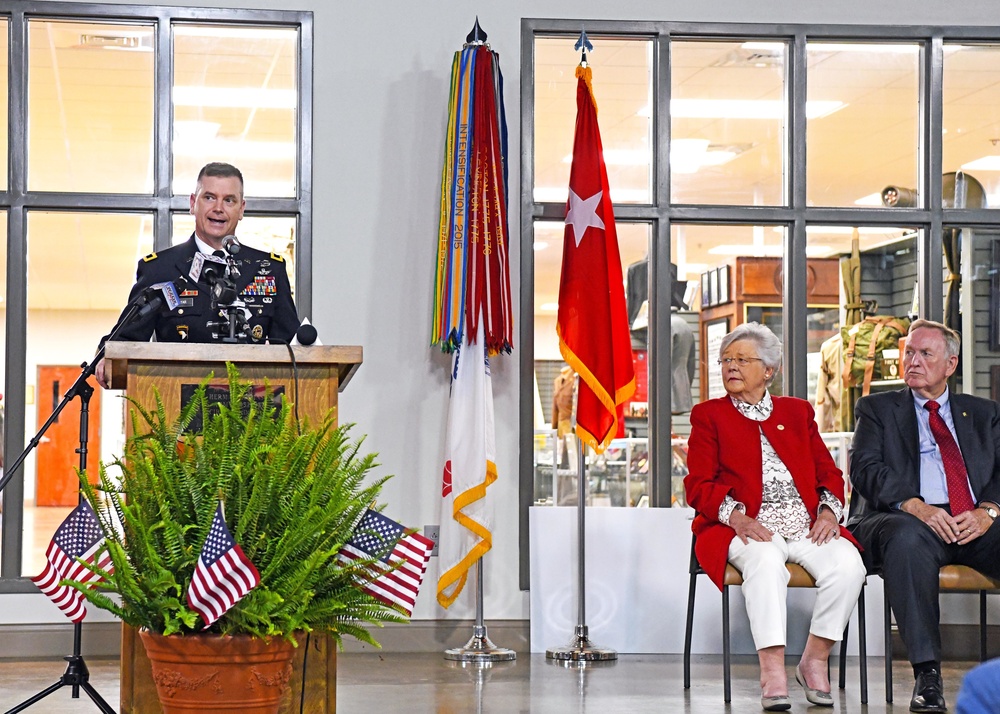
x=580 y=648
x=479 y=648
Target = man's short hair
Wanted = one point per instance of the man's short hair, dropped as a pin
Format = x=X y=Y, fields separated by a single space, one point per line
x=952 y=339
x=218 y=169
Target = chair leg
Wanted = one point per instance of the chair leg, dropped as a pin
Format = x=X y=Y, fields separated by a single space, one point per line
x=887 y=616
x=863 y=646
x=687 y=630
x=843 y=656
x=982 y=625
x=726 y=683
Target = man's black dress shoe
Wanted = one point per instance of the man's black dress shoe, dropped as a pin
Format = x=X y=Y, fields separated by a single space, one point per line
x=928 y=693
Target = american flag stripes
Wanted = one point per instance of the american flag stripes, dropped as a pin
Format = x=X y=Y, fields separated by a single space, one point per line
x=377 y=536
x=223 y=574
x=79 y=536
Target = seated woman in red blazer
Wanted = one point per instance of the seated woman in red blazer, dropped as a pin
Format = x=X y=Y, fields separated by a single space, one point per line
x=767 y=492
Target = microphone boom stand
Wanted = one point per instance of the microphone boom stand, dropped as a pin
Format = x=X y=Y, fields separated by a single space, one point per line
x=76 y=675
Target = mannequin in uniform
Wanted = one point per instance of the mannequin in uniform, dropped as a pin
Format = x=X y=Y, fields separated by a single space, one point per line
x=562 y=409
x=682 y=354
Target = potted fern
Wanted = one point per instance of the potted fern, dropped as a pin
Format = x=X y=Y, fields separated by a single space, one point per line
x=292 y=497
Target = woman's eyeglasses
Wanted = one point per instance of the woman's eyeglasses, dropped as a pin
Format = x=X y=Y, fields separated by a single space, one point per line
x=741 y=361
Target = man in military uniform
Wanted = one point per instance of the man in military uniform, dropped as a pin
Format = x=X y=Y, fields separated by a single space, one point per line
x=262 y=285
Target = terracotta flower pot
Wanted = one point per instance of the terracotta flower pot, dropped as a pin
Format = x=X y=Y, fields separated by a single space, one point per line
x=199 y=673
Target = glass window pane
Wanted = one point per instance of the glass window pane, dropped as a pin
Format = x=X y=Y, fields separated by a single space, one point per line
x=274 y=234
x=621 y=476
x=68 y=255
x=4 y=51
x=728 y=118
x=862 y=123
x=3 y=339
x=979 y=361
x=90 y=104
x=235 y=99
x=882 y=278
x=971 y=141
x=622 y=83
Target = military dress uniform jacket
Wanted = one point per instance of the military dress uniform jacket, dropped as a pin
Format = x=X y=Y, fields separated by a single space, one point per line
x=262 y=286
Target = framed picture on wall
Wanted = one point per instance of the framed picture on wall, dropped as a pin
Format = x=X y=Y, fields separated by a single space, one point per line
x=713 y=287
x=723 y=284
x=705 y=296
x=995 y=300
x=714 y=332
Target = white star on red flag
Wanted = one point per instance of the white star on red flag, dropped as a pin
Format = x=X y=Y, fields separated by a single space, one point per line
x=582 y=214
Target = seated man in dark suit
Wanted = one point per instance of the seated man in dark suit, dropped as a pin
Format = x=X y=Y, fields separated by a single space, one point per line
x=261 y=288
x=925 y=466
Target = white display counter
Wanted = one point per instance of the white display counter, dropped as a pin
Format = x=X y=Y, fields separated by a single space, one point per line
x=637 y=583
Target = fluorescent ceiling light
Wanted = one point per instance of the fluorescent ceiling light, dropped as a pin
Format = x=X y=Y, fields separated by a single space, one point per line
x=849 y=230
x=549 y=307
x=686 y=155
x=872 y=199
x=540 y=245
x=560 y=194
x=812 y=251
x=884 y=49
x=228 y=147
x=746 y=108
x=228 y=32
x=985 y=163
x=239 y=97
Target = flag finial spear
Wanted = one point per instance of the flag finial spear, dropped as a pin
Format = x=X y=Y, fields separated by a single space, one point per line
x=477 y=36
x=583 y=44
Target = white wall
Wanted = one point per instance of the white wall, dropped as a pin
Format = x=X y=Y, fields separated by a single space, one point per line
x=381 y=89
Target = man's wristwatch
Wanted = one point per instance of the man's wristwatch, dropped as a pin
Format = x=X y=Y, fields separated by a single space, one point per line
x=990 y=509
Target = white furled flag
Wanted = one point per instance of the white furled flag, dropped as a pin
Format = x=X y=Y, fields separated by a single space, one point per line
x=223 y=574
x=400 y=559
x=470 y=467
x=79 y=537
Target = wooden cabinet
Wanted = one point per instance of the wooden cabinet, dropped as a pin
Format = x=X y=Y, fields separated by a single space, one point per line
x=754 y=293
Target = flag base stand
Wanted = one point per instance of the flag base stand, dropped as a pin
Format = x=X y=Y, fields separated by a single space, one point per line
x=480 y=649
x=581 y=649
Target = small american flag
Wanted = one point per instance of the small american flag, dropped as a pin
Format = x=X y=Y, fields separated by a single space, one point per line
x=377 y=536
x=223 y=575
x=79 y=536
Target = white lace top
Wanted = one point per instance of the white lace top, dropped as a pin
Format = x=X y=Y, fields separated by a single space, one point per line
x=782 y=510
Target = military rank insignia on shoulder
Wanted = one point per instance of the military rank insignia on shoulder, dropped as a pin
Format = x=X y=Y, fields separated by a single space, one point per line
x=151 y=256
x=275 y=256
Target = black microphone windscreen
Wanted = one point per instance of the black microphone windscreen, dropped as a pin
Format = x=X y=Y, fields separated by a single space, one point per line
x=306 y=334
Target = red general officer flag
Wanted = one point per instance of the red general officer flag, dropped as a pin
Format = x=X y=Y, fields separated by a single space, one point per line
x=593 y=321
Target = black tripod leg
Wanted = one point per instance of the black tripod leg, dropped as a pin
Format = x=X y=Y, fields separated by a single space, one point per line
x=38 y=697
x=76 y=676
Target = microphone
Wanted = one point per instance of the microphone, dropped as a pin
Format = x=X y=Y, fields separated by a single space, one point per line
x=306 y=334
x=216 y=266
x=231 y=245
x=158 y=295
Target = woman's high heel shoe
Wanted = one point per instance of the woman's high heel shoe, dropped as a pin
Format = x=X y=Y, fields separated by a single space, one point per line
x=775 y=704
x=813 y=696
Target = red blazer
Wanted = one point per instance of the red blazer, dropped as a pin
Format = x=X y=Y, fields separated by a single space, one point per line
x=724 y=458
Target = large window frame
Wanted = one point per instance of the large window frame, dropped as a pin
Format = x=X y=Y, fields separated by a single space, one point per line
x=16 y=200
x=795 y=215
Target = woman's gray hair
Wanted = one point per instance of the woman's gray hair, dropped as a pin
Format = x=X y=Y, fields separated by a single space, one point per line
x=767 y=343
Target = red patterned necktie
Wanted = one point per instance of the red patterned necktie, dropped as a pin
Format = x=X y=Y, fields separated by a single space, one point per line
x=954 y=467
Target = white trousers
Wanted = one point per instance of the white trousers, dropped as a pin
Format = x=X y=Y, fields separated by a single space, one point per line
x=835 y=566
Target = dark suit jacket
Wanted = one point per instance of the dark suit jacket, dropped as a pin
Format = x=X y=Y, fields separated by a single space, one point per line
x=885 y=458
x=262 y=285
x=725 y=458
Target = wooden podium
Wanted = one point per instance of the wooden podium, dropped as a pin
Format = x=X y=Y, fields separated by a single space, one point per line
x=323 y=371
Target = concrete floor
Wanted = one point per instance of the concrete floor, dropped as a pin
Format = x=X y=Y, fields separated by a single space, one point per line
x=413 y=682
